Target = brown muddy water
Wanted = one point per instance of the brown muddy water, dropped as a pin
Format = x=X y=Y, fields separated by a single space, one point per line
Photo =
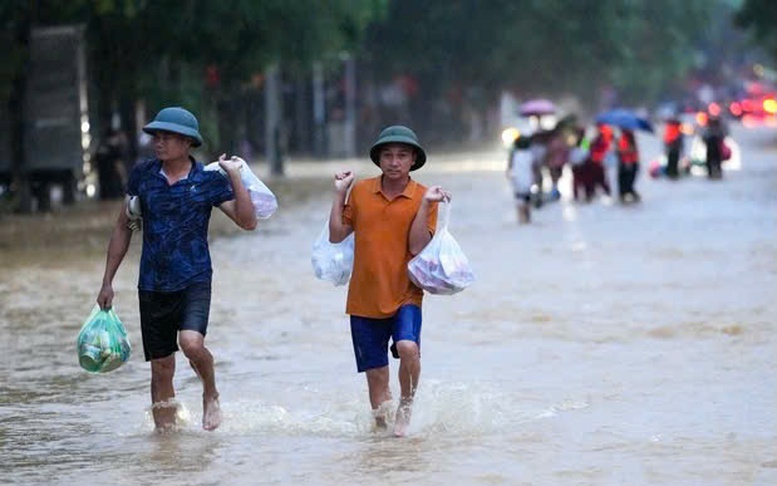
x=601 y=345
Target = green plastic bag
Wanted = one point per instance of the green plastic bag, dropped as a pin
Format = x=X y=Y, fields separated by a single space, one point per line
x=102 y=343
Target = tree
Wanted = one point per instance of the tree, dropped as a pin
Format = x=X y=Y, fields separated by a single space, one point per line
x=543 y=47
x=162 y=50
x=760 y=18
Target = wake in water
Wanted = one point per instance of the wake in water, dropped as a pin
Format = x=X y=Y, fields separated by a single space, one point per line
x=179 y=416
x=440 y=410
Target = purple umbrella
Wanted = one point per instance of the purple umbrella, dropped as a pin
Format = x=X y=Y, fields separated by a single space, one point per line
x=539 y=106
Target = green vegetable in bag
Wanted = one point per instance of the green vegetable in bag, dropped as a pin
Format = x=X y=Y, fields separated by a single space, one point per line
x=102 y=343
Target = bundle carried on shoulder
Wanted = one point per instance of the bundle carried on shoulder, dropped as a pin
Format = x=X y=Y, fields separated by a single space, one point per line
x=262 y=198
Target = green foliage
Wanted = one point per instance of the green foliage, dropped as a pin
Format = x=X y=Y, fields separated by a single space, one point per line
x=760 y=18
x=541 y=46
x=160 y=50
x=132 y=41
x=658 y=45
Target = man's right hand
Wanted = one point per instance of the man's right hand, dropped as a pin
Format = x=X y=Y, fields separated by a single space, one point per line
x=231 y=165
x=343 y=181
x=105 y=297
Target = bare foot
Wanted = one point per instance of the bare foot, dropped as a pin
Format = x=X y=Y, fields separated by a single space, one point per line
x=402 y=419
x=383 y=415
x=211 y=413
x=165 y=414
x=380 y=424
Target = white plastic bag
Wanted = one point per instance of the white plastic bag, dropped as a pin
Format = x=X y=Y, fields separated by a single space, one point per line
x=441 y=267
x=332 y=262
x=264 y=201
x=521 y=173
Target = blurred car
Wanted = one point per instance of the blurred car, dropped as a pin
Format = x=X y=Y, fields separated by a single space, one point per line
x=757 y=106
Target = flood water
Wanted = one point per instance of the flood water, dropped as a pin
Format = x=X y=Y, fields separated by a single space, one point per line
x=601 y=345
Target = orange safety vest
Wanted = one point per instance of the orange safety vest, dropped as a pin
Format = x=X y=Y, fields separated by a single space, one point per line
x=672 y=133
x=627 y=151
x=599 y=148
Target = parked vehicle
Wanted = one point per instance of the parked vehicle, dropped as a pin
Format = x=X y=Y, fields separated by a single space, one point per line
x=56 y=129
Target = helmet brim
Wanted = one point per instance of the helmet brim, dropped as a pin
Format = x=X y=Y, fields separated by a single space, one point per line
x=420 y=152
x=159 y=126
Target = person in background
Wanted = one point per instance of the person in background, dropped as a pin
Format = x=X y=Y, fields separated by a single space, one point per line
x=557 y=156
x=539 y=153
x=174 y=195
x=673 y=145
x=521 y=175
x=112 y=162
x=628 y=166
x=393 y=218
x=580 y=161
x=713 y=136
x=599 y=149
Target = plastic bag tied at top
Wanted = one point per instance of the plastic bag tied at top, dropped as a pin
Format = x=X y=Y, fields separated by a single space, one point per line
x=262 y=198
x=102 y=343
x=441 y=267
x=332 y=262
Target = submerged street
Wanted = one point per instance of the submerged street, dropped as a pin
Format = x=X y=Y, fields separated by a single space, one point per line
x=601 y=344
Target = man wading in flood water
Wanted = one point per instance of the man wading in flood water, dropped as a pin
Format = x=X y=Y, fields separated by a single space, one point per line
x=393 y=218
x=175 y=197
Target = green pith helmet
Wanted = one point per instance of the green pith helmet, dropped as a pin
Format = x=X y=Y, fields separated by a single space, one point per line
x=398 y=134
x=176 y=120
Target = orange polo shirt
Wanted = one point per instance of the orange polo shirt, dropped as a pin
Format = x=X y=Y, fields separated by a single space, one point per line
x=379 y=283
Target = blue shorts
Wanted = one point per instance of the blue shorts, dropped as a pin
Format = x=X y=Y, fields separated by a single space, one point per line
x=371 y=336
x=164 y=314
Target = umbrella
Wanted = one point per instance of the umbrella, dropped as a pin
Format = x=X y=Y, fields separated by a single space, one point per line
x=539 y=106
x=627 y=119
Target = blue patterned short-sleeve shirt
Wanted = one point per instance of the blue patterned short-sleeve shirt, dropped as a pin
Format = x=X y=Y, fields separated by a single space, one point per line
x=175 y=224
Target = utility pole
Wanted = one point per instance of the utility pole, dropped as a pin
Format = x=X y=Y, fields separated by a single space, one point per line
x=272 y=127
x=350 y=106
x=319 y=111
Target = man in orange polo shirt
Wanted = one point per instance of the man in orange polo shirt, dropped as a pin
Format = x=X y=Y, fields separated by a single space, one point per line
x=393 y=218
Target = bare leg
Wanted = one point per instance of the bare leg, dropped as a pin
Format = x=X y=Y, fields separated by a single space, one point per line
x=605 y=183
x=409 y=372
x=524 y=213
x=200 y=359
x=163 y=406
x=378 y=386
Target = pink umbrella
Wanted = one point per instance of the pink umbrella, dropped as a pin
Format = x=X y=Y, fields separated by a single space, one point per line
x=539 y=106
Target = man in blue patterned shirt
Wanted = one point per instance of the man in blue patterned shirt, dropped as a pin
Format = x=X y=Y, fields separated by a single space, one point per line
x=175 y=197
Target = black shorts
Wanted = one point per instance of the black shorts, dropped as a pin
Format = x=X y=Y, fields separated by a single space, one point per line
x=163 y=314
